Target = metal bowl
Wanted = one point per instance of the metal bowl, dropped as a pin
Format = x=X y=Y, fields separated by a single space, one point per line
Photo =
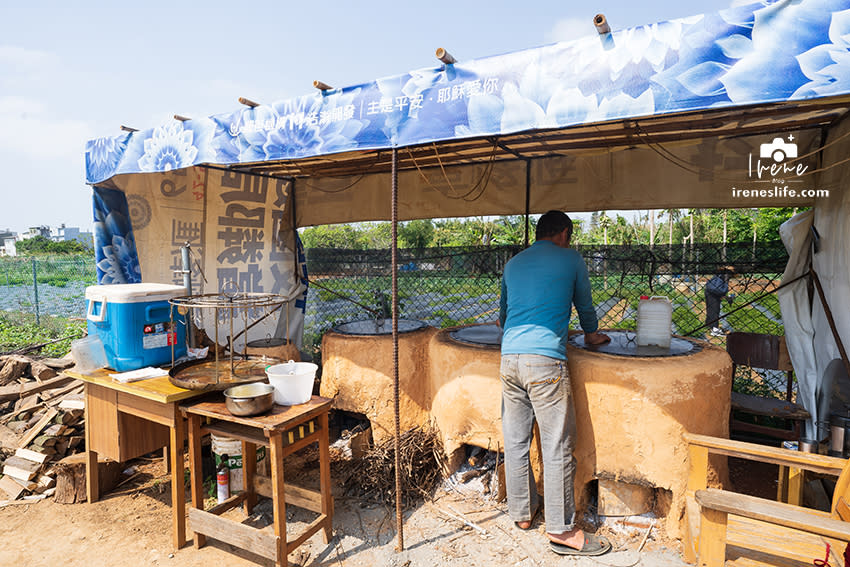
x=249 y=399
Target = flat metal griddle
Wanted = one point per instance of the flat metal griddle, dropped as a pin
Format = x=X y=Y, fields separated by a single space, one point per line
x=488 y=334
x=623 y=343
x=209 y=375
x=378 y=327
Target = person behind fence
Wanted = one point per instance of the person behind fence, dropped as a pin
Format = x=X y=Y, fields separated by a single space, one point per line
x=539 y=287
x=715 y=290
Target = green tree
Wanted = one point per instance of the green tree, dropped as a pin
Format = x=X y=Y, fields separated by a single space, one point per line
x=333 y=236
x=39 y=245
x=416 y=234
x=767 y=221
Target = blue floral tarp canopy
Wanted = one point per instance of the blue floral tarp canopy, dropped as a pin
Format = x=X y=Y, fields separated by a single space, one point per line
x=762 y=53
x=668 y=115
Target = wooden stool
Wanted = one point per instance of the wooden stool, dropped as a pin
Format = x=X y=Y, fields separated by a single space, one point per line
x=284 y=429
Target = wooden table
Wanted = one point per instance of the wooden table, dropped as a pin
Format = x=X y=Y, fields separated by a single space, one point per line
x=284 y=429
x=125 y=421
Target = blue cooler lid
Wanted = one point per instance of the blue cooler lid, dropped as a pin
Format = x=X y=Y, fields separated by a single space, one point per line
x=134 y=292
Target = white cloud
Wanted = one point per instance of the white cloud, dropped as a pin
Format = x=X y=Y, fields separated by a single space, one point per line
x=29 y=129
x=569 y=29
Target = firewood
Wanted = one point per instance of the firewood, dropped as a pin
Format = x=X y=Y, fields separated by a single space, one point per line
x=70 y=418
x=28 y=402
x=13 y=368
x=17 y=427
x=57 y=363
x=35 y=418
x=45 y=441
x=44 y=482
x=41 y=371
x=8 y=438
x=33 y=456
x=28 y=485
x=15 y=391
x=71 y=478
x=19 y=468
x=36 y=430
x=72 y=404
x=12 y=489
x=55 y=430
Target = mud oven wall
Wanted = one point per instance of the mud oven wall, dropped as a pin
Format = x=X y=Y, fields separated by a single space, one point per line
x=631 y=412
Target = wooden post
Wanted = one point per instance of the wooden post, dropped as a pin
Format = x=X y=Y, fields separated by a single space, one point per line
x=278 y=497
x=697 y=480
x=178 y=490
x=249 y=471
x=712 y=538
x=196 y=468
x=325 y=478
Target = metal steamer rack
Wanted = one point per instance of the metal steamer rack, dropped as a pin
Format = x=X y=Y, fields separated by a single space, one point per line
x=237 y=312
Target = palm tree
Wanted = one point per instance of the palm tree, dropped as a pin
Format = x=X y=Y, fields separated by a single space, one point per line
x=605 y=223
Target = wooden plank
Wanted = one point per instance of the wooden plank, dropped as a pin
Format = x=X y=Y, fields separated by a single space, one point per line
x=10 y=487
x=842 y=509
x=33 y=456
x=822 y=464
x=314 y=526
x=234 y=533
x=237 y=431
x=231 y=502
x=17 y=391
x=770 y=407
x=751 y=538
x=36 y=429
x=774 y=512
x=19 y=468
x=294 y=495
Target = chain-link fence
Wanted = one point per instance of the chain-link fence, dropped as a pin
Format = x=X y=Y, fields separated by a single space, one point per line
x=456 y=286
x=46 y=286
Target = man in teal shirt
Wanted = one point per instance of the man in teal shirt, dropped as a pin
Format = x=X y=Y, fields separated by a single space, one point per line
x=539 y=287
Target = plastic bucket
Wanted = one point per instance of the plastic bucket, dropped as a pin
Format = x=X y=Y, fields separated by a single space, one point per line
x=233 y=449
x=292 y=381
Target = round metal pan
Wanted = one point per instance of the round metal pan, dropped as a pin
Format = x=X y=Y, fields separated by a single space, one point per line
x=207 y=375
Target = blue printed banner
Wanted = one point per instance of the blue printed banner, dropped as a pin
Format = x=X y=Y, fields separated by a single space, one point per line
x=765 y=52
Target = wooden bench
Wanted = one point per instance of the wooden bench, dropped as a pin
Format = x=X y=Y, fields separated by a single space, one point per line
x=726 y=528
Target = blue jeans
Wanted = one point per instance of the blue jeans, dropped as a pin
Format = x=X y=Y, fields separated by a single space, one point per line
x=537 y=386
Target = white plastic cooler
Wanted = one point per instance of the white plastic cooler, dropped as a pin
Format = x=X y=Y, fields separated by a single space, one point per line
x=134 y=322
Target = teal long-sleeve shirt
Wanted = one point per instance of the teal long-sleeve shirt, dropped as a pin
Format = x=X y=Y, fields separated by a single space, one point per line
x=539 y=287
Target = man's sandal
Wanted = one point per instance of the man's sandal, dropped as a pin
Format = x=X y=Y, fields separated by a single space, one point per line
x=593 y=545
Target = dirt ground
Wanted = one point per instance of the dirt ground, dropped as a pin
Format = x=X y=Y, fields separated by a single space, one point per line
x=131 y=526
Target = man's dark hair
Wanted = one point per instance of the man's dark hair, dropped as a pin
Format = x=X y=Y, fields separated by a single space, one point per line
x=552 y=223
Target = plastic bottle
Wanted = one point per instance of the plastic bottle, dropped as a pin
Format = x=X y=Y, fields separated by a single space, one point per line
x=222 y=480
x=654 y=321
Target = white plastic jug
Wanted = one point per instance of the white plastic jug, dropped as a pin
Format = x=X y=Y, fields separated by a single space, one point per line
x=654 y=321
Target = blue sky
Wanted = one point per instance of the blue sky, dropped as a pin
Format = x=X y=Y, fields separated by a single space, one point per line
x=72 y=71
